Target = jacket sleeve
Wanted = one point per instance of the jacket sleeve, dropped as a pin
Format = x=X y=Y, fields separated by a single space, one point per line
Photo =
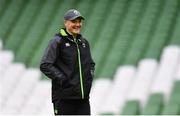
x=48 y=60
x=92 y=63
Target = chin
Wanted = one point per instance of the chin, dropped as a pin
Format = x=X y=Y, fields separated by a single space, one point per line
x=77 y=32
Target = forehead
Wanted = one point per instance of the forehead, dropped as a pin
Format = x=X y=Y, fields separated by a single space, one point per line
x=75 y=20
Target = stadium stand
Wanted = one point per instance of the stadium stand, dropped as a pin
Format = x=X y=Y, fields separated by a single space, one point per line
x=135 y=44
x=22 y=88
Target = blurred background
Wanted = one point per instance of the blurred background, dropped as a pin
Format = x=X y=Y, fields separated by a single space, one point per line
x=135 y=44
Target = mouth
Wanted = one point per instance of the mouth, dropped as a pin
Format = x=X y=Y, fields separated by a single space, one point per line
x=76 y=28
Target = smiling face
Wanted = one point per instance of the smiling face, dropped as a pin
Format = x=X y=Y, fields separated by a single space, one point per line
x=73 y=27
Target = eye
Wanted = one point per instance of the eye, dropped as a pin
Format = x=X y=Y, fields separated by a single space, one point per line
x=73 y=21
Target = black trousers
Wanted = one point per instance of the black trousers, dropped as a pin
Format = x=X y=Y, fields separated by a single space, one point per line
x=72 y=107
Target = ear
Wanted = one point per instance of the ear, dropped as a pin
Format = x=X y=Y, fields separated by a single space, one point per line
x=65 y=22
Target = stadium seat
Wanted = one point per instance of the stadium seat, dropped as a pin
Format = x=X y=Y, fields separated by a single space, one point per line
x=1 y=45
x=119 y=90
x=175 y=34
x=161 y=32
x=143 y=79
x=6 y=58
x=36 y=101
x=112 y=60
x=171 y=109
x=98 y=95
x=12 y=76
x=175 y=94
x=23 y=25
x=177 y=74
x=165 y=74
x=3 y=5
x=154 y=105
x=48 y=109
x=97 y=15
x=10 y=16
x=141 y=38
x=36 y=34
x=131 y=108
x=101 y=47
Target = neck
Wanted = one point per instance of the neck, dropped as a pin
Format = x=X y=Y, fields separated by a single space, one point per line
x=74 y=35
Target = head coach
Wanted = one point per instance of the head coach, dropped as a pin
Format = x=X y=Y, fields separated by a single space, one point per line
x=68 y=63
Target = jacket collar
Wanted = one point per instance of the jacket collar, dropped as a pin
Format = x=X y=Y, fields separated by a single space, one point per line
x=64 y=33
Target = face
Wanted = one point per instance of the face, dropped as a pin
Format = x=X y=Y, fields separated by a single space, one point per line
x=73 y=26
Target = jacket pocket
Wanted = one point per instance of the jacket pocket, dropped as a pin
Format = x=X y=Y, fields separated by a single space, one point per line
x=87 y=88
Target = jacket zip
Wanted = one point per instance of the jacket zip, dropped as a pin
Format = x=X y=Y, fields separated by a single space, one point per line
x=80 y=70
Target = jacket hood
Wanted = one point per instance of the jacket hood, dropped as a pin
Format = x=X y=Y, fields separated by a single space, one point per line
x=64 y=33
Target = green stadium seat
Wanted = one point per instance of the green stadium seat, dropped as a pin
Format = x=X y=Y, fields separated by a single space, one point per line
x=162 y=31
x=36 y=34
x=141 y=38
x=175 y=95
x=91 y=29
x=173 y=105
x=131 y=108
x=23 y=25
x=10 y=17
x=134 y=12
x=3 y=6
x=175 y=35
x=171 y=109
x=154 y=105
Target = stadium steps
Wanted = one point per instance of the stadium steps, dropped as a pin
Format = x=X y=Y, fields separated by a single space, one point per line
x=1 y=45
x=23 y=25
x=141 y=36
x=118 y=47
x=106 y=37
x=101 y=47
x=162 y=30
x=168 y=65
x=26 y=93
x=116 y=94
x=3 y=5
x=175 y=35
x=174 y=98
x=100 y=89
x=172 y=107
x=36 y=34
x=11 y=15
x=118 y=13
x=167 y=68
x=131 y=84
x=92 y=29
x=142 y=82
x=154 y=105
x=131 y=108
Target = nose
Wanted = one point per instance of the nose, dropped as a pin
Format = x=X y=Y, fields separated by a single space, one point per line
x=78 y=24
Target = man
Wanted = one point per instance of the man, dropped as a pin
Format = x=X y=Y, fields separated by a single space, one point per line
x=68 y=63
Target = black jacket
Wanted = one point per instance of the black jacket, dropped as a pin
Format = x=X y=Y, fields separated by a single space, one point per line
x=68 y=63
